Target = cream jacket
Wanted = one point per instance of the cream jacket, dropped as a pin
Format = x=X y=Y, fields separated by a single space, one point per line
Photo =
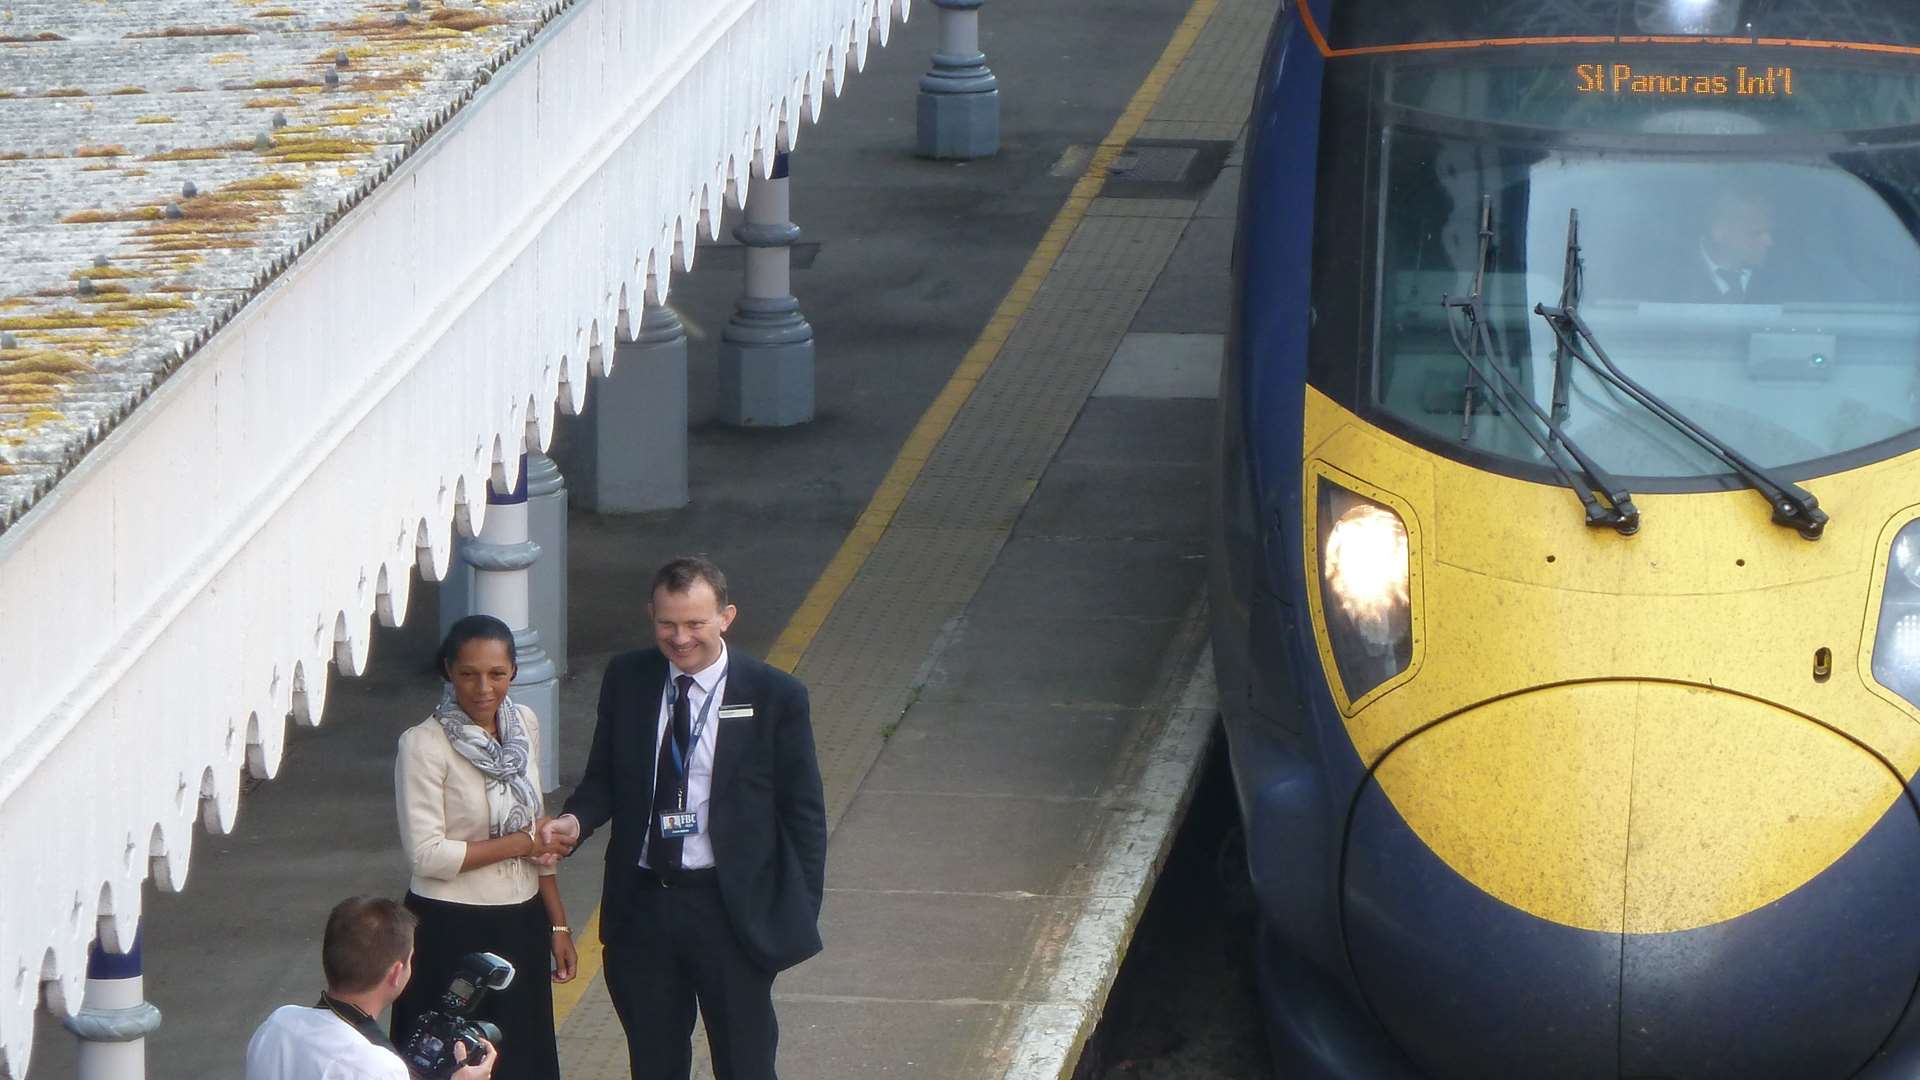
x=443 y=805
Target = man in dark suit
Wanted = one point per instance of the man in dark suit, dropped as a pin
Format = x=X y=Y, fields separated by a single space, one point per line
x=703 y=759
x=1727 y=264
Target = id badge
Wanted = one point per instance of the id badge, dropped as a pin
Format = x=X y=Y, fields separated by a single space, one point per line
x=675 y=826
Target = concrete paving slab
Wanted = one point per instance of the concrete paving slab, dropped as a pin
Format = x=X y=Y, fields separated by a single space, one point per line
x=1194 y=295
x=1093 y=578
x=918 y=842
x=899 y=1040
x=1223 y=198
x=1162 y=502
x=1164 y=366
x=1067 y=751
x=924 y=946
x=1125 y=431
x=1047 y=1038
x=1190 y=129
x=1108 y=206
x=1027 y=658
x=852 y=724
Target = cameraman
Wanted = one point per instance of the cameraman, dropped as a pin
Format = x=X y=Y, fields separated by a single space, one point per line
x=368 y=957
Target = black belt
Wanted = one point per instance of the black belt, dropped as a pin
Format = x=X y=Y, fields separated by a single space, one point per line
x=704 y=878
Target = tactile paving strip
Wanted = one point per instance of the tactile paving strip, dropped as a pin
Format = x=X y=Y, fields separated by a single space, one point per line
x=594 y=1043
x=1210 y=96
x=943 y=567
x=880 y=631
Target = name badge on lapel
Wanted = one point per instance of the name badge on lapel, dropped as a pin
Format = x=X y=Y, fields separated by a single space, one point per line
x=736 y=712
x=683 y=824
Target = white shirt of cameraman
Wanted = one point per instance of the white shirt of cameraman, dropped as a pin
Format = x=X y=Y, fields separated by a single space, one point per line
x=302 y=1043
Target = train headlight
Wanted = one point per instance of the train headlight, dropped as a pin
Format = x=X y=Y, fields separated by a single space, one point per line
x=1896 y=644
x=1364 y=593
x=1366 y=571
x=1906 y=555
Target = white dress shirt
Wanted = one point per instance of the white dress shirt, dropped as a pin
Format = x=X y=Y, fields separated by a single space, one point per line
x=1714 y=271
x=696 y=851
x=299 y=1043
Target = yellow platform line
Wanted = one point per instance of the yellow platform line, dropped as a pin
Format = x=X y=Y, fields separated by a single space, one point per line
x=874 y=521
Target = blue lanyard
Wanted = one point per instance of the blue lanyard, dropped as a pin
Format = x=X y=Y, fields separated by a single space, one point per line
x=681 y=761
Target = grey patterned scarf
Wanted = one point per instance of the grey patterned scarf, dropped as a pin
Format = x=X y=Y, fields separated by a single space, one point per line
x=510 y=795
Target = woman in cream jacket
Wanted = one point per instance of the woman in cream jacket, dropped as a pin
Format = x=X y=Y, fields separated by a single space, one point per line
x=468 y=784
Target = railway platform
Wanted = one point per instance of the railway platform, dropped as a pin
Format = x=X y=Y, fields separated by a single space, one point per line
x=985 y=557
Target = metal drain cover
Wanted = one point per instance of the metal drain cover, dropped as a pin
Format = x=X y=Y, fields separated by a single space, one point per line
x=1165 y=168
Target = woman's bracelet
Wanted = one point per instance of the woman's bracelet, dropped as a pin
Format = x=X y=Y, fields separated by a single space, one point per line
x=563 y=930
x=533 y=842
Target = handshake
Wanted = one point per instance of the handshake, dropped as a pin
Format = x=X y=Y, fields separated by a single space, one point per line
x=554 y=838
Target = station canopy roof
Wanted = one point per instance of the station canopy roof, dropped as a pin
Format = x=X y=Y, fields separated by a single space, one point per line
x=161 y=161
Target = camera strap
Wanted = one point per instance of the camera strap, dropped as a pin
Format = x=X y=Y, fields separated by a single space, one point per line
x=367 y=1026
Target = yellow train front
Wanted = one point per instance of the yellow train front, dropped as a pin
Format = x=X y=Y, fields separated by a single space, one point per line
x=1567 y=575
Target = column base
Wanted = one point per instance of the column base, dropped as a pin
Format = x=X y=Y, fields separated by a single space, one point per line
x=456 y=591
x=634 y=458
x=547 y=579
x=538 y=688
x=766 y=365
x=958 y=113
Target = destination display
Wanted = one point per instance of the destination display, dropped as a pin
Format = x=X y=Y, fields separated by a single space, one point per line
x=1737 y=81
x=1736 y=92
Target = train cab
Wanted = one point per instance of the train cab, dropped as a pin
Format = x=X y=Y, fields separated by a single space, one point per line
x=1566 y=581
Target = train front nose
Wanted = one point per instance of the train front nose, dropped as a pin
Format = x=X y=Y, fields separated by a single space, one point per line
x=1634 y=879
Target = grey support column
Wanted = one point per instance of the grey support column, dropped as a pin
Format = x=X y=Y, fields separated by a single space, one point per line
x=959 y=107
x=637 y=418
x=766 y=350
x=115 y=1018
x=501 y=557
x=547 y=528
x=456 y=592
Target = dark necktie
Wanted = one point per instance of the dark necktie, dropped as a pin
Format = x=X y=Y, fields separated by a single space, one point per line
x=1736 y=288
x=663 y=852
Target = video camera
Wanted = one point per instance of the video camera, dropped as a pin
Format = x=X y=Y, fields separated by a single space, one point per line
x=429 y=1050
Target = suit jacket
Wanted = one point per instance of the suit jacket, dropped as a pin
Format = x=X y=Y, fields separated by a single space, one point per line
x=1687 y=278
x=768 y=817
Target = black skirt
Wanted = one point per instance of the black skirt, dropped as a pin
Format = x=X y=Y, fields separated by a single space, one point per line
x=523 y=1011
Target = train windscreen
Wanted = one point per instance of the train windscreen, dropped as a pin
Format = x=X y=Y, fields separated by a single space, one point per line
x=1746 y=251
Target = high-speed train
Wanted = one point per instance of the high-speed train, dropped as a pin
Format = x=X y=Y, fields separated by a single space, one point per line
x=1566 y=580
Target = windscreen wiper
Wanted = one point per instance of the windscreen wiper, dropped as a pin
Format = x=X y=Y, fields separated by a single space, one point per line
x=1606 y=502
x=1792 y=505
